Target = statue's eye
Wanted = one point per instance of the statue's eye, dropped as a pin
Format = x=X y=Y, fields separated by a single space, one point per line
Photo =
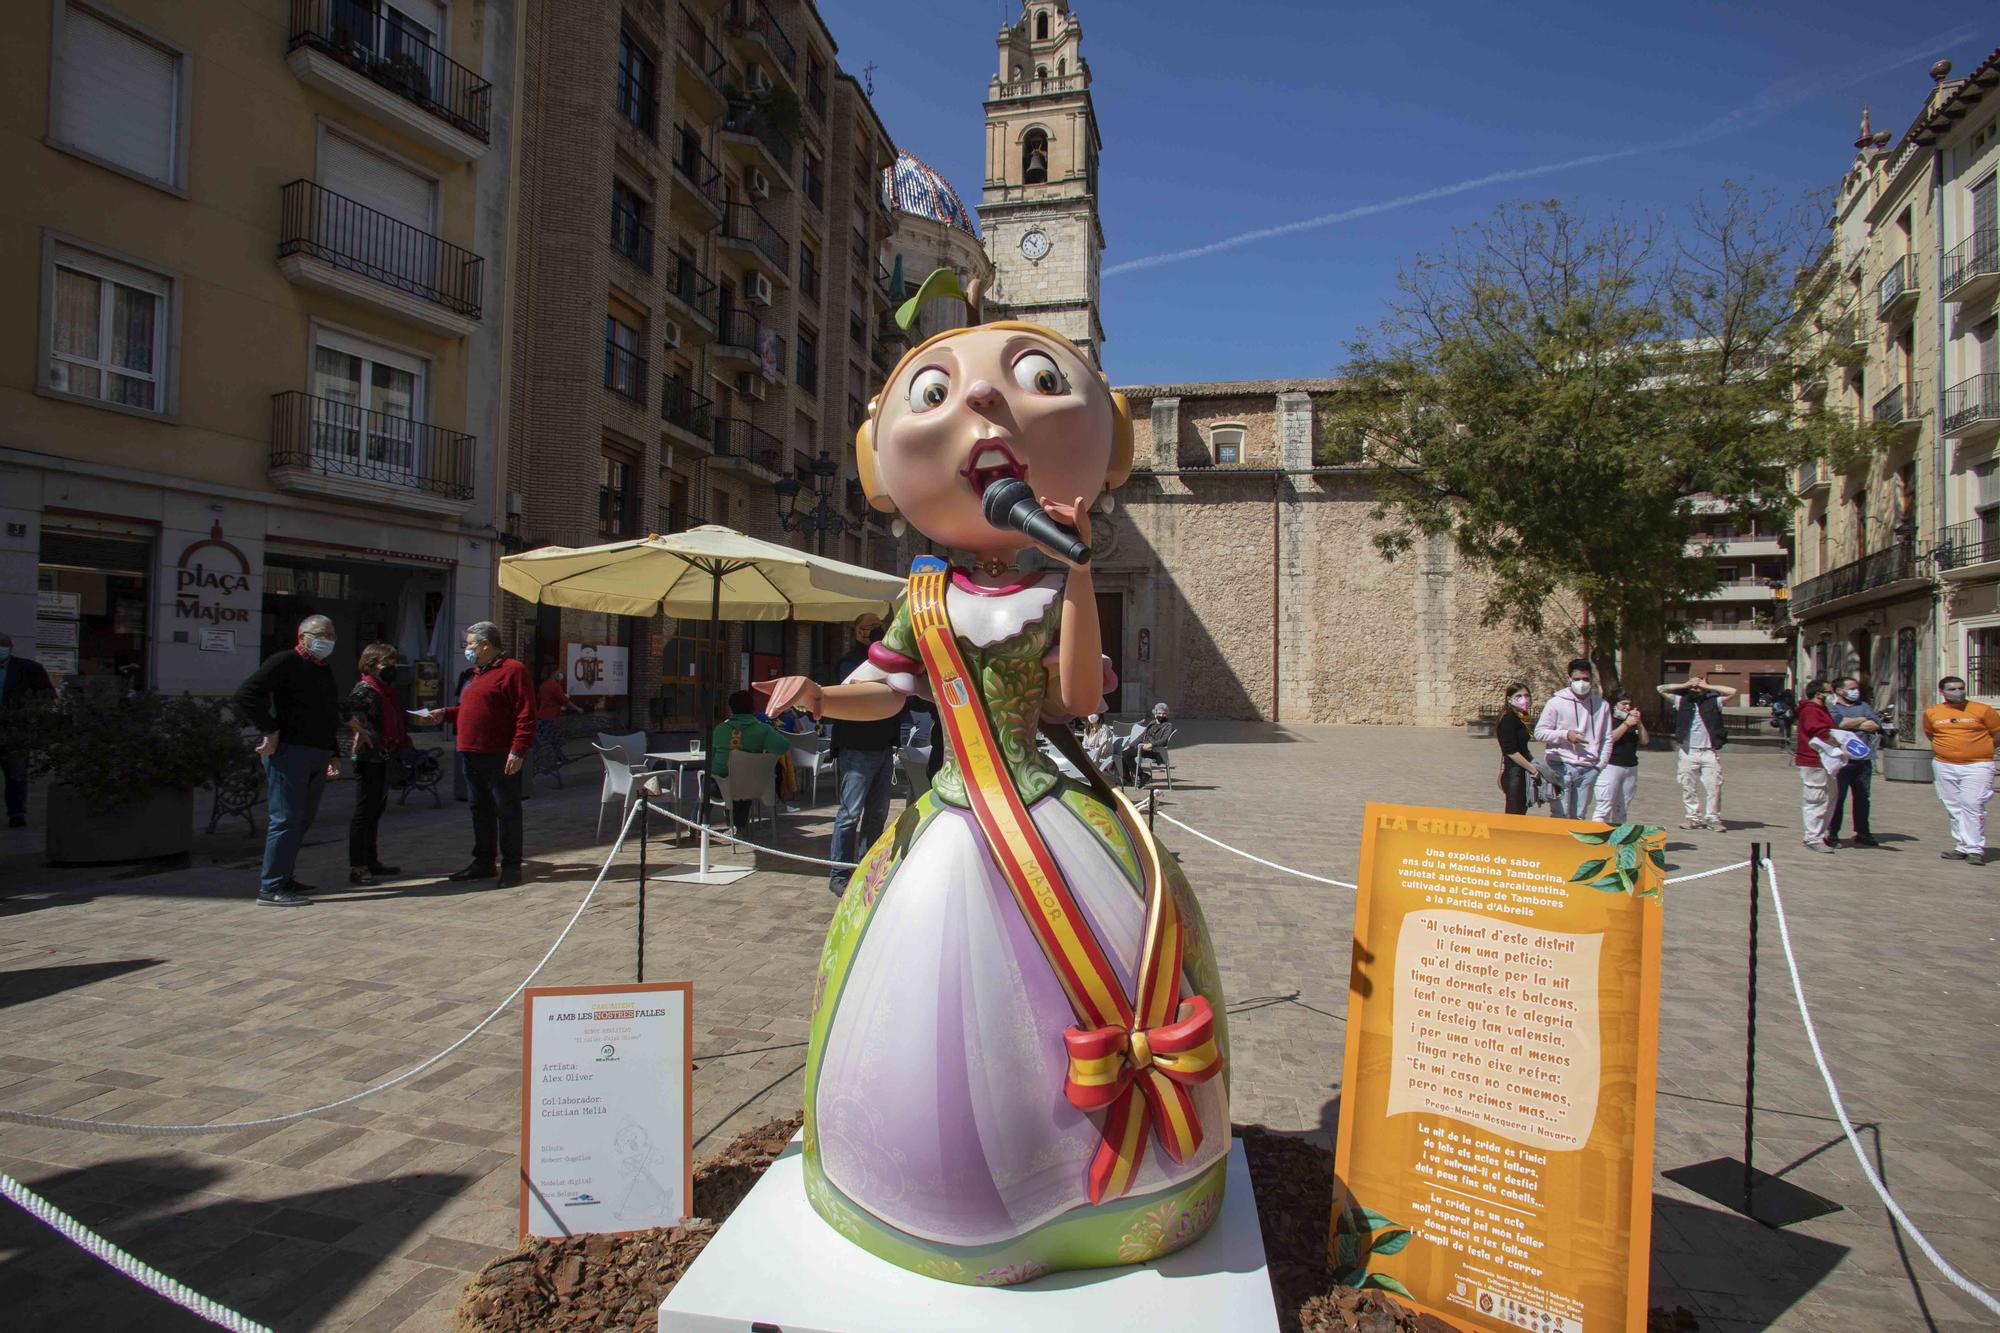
x=1037 y=372
x=929 y=389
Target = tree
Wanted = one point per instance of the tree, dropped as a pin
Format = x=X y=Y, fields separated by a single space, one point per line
x=1552 y=394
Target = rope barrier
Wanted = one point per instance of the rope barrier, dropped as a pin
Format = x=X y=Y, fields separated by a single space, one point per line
x=1956 y=1278
x=755 y=847
x=117 y=1127
x=77 y=1234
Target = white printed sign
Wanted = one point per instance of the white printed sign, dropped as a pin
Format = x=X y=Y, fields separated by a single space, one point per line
x=607 y=1108
x=218 y=640
x=594 y=669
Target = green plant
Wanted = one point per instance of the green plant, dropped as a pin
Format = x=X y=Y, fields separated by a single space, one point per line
x=783 y=112
x=1636 y=861
x=112 y=749
x=1359 y=1233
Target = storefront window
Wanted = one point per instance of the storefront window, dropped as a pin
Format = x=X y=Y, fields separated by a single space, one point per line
x=687 y=659
x=368 y=602
x=92 y=597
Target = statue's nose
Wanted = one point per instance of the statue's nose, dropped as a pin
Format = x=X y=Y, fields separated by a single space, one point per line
x=982 y=394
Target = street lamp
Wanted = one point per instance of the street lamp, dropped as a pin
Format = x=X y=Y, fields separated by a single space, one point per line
x=823 y=516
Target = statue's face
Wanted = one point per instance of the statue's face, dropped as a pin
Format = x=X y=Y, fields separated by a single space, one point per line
x=984 y=404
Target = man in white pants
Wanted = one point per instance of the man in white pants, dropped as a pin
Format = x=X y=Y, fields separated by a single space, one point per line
x=1815 y=784
x=1961 y=732
x=1699 y=735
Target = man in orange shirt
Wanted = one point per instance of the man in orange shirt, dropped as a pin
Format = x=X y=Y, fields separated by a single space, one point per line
x=1961 y=734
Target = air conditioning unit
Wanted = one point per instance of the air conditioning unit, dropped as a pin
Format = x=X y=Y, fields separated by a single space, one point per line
x=757 y=183
x=670 y=334
x=760 y=82
x=757 y=288
x=750 y=385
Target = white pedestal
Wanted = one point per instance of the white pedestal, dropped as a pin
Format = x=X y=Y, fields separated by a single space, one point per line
x=776 y=1265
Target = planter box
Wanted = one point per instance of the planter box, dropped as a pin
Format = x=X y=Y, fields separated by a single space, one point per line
x=1905 y=765
x=80 y=833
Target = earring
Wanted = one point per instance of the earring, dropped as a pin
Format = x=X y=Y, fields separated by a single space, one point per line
x=1106 y=502
x=897 y=527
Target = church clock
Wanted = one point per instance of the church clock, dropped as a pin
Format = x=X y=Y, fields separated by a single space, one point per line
x=1035 y=244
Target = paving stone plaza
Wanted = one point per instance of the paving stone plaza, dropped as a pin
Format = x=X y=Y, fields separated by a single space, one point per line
x=169 y=997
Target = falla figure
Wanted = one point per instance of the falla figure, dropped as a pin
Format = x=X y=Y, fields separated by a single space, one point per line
x=1017 y=1053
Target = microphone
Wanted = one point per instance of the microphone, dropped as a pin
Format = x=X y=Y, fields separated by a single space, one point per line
x=1010 y=503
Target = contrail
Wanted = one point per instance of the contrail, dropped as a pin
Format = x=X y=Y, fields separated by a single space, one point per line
x=1777 y=98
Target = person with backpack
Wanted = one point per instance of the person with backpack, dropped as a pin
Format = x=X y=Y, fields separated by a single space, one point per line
x=1699 y=735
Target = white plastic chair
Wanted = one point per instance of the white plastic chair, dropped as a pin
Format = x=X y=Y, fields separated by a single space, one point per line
x=751 y=777
x=810 y=755
x=631 y=744
x=623 y=784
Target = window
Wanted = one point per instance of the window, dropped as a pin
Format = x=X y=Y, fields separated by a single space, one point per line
x=637 y=101
x=1227 y=441
x=367 y=403
x=1860 y=504
x=630 y=232
x=807 y=371
x=614 y=496
x=815 y=178
x=107 y=331
x=624 y=368
x=118 y=97
x=1035 y=157
x=857 y=329
x=816 y=85
x=1042 y=26
x=856 y=413
x=808 y=271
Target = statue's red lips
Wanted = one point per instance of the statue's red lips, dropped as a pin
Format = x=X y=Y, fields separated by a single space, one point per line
x=990 y=461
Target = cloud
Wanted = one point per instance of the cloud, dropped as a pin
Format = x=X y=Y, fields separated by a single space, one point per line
x=1778 y=97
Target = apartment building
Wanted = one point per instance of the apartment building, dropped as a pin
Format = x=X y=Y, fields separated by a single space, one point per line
x=1738 y=633
x=255 y=264
x=702 y=312
x=1887 y=554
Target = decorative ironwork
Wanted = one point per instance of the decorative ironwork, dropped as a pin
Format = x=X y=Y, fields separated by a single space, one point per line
x=742 y=222
x=1970 y=402
x=680 y=405
x=317 y=222
x=1891 y=564
x=374 y=44
x=736 y=438
x=824 y=515
x=336 y=439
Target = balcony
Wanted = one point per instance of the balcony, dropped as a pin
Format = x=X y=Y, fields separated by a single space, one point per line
x=703 y=179
x=1013 y=88
x=683 y=408
x=1969 y=550
x=689 y=290
x=332 y=244
x=624 y=372
x=702 y=58
x=1878 y=576
x=1844 y=330
x=1898 y=408
x=743 y=446
x=1972 y=270
x=675 y=519
x=631 y=237
x=1897 y=290
x=1743 y=590
x=881 y=284
x=750 y=21
x=740 y=338
x=744 y=228
x=323 y=447
x=1736 y=634
x=749 y=127
x=1813 y=478
x=1972 y=409
x=367 y=60
x=1737 y=545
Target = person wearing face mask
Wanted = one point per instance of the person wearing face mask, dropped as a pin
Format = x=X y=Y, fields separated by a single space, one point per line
x=495 y=717
x=1814 y=783
x=1961 y=732
x=375 y=721
x=292 y=701
x=1517 y=758
x=1576 y=727
x=1852 y=712
x=1620 y=776
x=1699 y=735
x=21 y=679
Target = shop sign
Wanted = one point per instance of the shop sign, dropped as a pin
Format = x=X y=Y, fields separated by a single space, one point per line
x=598 y=670
x=212 y=584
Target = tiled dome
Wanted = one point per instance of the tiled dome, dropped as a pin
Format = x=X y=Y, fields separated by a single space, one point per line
x=914 y=188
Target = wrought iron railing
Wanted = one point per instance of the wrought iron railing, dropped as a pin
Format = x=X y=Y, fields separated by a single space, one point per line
x=1982 y=672
x=742 y=222
x=1972 y=401
x=698 y=168
x=373 y=44
x=1974 y=257
x=816 y=96
x=1877 y=569
x=808 y=277
x=676 y=519
x=630 y=236
x=755 y=120
x=1898 y=406
x=1898 y=281
x=689 y=287
x=336 y=439
x=624 y=371
x=741 y=329
x=1970 y=543
x=1810 y=475
x=317 y=222
x=736 y=438
x=752 y=19
x=682 y=406
x=812 y=180
x=698 y=49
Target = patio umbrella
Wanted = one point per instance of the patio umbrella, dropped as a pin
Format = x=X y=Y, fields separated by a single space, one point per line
x=709 y=570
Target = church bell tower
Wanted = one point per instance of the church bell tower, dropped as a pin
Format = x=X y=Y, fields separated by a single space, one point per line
x=1039 y=204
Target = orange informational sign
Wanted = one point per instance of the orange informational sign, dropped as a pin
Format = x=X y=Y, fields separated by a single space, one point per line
x=1495 y=1156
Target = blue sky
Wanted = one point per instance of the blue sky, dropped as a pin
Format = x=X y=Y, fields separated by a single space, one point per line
x=1227 y=117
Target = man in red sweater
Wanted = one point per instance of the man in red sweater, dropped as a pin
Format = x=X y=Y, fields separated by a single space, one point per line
x=1814 y=723
x=495 y=715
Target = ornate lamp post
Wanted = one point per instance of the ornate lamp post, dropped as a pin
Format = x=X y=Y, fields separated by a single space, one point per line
x=824 y=516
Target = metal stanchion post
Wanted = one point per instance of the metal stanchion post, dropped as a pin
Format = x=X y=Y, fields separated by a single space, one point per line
x=1750 y=1045
x=1152 y=807
x=639 y=961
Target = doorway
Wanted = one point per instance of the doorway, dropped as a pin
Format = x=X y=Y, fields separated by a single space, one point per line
x=1111 y=630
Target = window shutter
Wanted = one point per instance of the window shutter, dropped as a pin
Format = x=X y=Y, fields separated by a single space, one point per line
x=373 y=181
x=120 y=96
x=1989 y=484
